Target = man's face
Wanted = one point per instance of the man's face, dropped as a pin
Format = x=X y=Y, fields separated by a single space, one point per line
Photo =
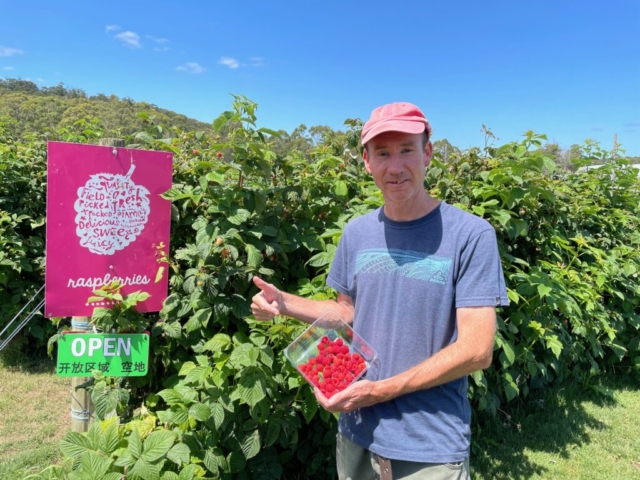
x=397 y=161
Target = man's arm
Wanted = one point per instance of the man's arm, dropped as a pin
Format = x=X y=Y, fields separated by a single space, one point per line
x=270 y=301
x=473 y=350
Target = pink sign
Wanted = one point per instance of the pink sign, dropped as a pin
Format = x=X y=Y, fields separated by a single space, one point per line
x=106 y=221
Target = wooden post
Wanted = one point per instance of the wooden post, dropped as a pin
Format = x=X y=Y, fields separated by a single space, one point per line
x=81 y=404
x=82 y=410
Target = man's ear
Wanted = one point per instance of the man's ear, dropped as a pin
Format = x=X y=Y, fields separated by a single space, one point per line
x=365 y=157
x=428 y=153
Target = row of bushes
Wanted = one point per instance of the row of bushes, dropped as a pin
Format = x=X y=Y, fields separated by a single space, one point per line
x=221 y=399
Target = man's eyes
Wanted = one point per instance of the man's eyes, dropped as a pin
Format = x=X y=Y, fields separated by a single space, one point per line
x=404 y=150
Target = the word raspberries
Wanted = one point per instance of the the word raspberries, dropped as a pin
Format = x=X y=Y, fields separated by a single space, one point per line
x=334 y=368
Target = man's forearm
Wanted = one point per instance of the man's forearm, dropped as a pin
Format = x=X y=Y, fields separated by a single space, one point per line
x=309 y=310
x=472 y=351
x=447 y=365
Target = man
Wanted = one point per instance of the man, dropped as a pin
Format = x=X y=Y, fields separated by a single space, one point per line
x=419 y=280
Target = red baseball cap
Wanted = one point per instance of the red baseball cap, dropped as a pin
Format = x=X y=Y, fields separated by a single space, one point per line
x=395 y=117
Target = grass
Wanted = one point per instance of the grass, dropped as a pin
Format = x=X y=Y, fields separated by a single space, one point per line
x=34 y=408
x=568 y=432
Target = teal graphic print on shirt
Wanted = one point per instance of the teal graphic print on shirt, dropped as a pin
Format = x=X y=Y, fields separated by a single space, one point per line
x=404 y=263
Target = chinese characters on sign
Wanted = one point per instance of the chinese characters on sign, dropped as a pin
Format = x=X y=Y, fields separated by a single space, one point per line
x=65 y=368
x=105 y=221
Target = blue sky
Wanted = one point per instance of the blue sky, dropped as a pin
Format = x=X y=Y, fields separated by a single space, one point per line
x=570 y=69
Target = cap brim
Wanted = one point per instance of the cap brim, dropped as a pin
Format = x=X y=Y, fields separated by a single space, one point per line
x=403 y=126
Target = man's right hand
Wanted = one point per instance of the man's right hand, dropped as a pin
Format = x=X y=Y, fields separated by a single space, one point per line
x=267 y=303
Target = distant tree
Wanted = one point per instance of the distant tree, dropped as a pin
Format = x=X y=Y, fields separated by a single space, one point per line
x=444 y=150
x=58 y=90
x=18 y=85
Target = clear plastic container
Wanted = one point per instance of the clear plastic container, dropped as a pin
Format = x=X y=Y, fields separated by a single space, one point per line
x=331 y=356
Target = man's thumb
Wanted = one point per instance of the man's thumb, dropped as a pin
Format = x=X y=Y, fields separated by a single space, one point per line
x=261 y=284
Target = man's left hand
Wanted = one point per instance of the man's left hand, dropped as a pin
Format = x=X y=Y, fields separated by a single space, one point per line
x=361 y=394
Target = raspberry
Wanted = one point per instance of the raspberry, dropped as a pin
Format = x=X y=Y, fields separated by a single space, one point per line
x=333 y=369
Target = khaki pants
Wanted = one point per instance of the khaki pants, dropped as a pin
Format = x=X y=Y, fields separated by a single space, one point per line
x=357 y=463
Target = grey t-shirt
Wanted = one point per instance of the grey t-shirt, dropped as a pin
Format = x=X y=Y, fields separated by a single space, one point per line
x=406 y=280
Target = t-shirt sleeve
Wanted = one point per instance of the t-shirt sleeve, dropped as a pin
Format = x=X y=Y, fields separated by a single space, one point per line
x=338 y=273
x=480 y=281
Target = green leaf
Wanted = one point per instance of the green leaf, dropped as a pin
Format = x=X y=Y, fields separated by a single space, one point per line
x=198 y=374
x=179 y=414
x=510 y=389
x=273 y=430
x=189 y=394
x=74 y=444
x=172 y=329
x=309 y=406
x=239 y=217
x=106 y=403
x=236 y=462
x=246 y=355
x=321 y=259
x=94 y=434
x=94 y=465
x=143 y=137
x=221 y=121
x=312 y=242
x=189 y=472
x=135 y=444
x=544 y=290
x=270 y=132
x=251 y=389
x=215 y=177
x=260 y=411
x=254 y=257
x=171 y=303
x=260 y=202
x=214 y=461
x=109 y=439
x=217 y=413
x=157 y=444
x=293 y=382
x=251 y=445
x=198 y=320
x=171 y=396
x=160 y=273
x=478 y=210
x=266 y=356
x=186 y=368
x=219 y=342
x=126 y=459
x=554 y=344
x=200 y=412
x=179 y=454
x=509 y=352
x=340 y=189
x=175 y=193
x=111 y=476
x=145 y=470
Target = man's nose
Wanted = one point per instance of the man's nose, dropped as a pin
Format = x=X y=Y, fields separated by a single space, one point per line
x=395 y=164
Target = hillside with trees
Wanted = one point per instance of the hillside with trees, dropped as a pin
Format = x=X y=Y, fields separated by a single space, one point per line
x=42 y=109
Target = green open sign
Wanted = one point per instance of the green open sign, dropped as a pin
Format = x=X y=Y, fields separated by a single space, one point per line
x=114 y=354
